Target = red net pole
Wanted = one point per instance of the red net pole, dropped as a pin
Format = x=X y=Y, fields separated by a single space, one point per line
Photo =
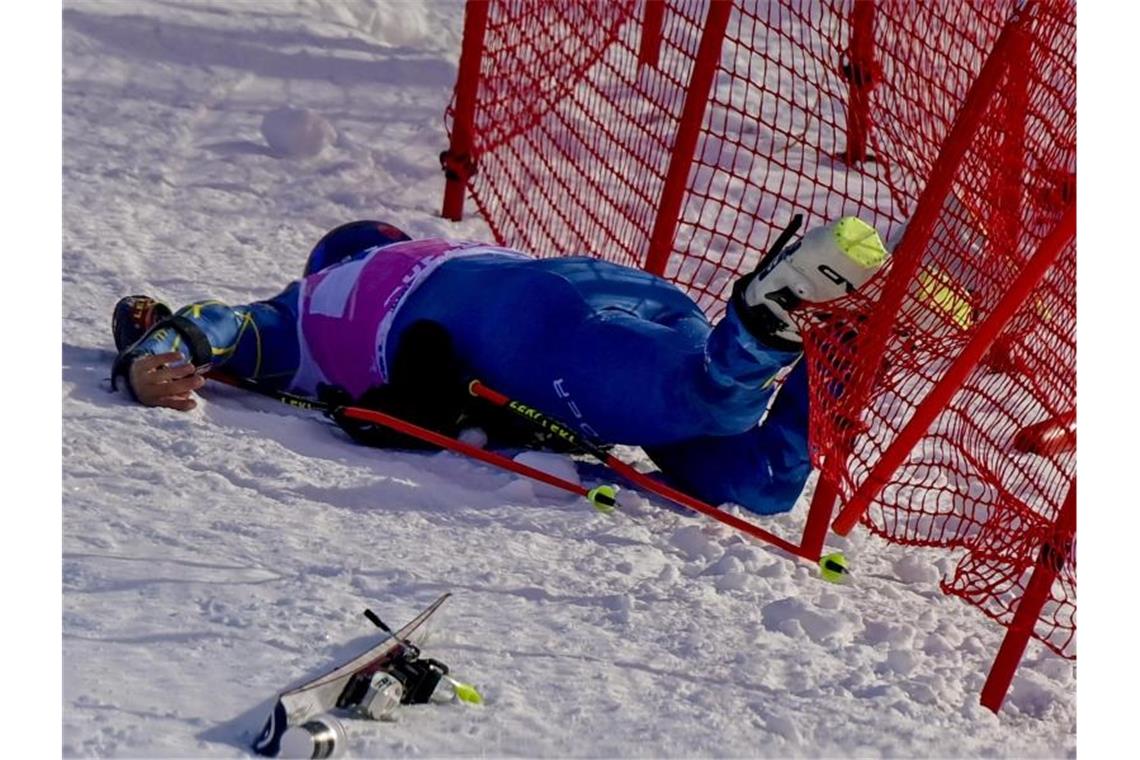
x=689 y=129
x=652 y=22
x=936 y=401
x=458 y=162
x=860 y=72
x=1004 y=231
x=1054 y=553
x=819 y=516
x=1049 y=438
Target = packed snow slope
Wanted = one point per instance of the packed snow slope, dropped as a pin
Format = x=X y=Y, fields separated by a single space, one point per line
x=215 y=557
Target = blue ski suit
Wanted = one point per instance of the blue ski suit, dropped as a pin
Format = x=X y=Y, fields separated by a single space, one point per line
x=624 y=356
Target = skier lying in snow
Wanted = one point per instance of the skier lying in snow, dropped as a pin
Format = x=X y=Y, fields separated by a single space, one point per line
x=400 y=325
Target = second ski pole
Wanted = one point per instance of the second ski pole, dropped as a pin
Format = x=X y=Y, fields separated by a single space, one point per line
x=563 y=431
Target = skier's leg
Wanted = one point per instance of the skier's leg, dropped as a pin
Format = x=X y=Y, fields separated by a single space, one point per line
x=762 y=469
x=627 y=358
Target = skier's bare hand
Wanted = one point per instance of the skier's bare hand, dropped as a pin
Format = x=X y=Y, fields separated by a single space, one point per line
x=166 y=380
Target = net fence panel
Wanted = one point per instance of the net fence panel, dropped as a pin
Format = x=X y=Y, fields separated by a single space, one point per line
x=573 y=138
x=965 y=485
x=572 y=135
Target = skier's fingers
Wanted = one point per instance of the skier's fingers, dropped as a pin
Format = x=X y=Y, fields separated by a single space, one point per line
x=169 y=373
x=165 y=380
x=183 y=403
x=182 y=386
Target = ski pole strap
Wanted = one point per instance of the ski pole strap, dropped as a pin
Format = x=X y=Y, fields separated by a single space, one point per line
x=781 y=241
x=201 y=352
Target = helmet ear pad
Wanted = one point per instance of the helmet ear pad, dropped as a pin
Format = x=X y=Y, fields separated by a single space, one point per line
x=347 y=240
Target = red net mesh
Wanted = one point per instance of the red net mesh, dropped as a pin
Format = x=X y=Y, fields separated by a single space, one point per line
x=964 y=484
x=574 y=137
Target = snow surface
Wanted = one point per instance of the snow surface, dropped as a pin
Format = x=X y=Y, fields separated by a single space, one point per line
x=212 y=558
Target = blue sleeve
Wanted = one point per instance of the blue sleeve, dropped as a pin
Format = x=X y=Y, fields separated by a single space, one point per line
x=221 y=325
x=762 y=469
x=257 y=341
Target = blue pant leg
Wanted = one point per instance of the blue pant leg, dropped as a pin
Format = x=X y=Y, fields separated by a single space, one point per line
x=619 y=353
x=762 y=469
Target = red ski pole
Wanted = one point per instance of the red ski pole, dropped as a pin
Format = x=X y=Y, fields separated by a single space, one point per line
x=602 y=497
x=564 y=432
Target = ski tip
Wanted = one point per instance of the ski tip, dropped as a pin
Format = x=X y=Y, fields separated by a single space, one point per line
x=833 y=567
x=604 y=498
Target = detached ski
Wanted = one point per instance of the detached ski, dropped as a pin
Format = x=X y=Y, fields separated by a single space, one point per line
x=372 y=684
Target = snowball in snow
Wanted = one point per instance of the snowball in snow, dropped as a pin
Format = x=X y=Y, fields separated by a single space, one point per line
x=474 y=436
x=693 y=543
x=916 y=568
x=296 y=132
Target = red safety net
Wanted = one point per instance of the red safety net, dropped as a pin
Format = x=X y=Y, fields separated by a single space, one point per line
x=935 y=460
x=578 y=130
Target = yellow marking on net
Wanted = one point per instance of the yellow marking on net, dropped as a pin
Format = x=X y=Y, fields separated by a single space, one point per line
x=860 y=242
x=939 y=289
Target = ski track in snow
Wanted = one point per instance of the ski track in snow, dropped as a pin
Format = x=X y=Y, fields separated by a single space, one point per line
x=212 y=559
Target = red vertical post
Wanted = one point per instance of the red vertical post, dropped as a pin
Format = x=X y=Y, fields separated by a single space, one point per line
x=819 y=516
x=652 y=21
x=458 y=163
x=692 y=117
x=860 y=73
x=1050 y=561
x=936 y=400
x=1006 y=186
